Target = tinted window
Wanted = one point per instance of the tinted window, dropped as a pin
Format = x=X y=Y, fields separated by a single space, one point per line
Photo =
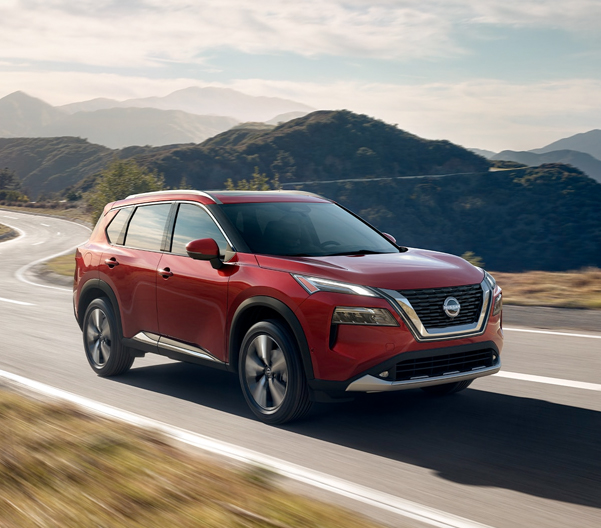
x=304 y=229
x=193 y=223
x=116 y=229
x=147 y=226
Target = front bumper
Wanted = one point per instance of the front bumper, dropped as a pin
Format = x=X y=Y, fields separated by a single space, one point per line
x=420 y=368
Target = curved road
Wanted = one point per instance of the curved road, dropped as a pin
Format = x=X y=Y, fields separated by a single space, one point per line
x=519 y=449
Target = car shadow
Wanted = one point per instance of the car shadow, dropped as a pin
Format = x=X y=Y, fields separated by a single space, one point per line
x=475 y=438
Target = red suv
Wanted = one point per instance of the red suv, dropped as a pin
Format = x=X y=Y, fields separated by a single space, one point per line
x=299 y=296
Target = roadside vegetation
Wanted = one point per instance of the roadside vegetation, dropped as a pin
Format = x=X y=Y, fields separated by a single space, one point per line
x=6 y=233
x=572 y=289
x=62 y=467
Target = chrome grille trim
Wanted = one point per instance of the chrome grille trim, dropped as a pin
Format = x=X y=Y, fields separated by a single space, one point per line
x=406 y=311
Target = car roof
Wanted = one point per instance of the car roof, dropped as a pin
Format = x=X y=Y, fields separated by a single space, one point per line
x=222 y=197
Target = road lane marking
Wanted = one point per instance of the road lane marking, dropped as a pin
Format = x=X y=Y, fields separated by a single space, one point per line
x=45 y=225
x=16 y=302
x=550 y=381
x=11 y=217
x=549 y=332
x=317 y=479
x=38 y=243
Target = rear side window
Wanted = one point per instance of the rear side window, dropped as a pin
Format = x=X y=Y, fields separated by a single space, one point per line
x=115 y=232
x=147 y=227
x=193 y=223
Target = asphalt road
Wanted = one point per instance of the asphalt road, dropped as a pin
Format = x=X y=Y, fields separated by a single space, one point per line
x=505 y=453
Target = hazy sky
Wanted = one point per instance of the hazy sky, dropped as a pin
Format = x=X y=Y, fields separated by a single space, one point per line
x=493 y=74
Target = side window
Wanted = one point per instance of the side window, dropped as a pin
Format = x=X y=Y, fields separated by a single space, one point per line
x=192 y=223
x=116 y=229
x=147 y=227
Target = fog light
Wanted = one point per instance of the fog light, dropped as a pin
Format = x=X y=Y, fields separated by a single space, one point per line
x=351 y=315
x=384 y=374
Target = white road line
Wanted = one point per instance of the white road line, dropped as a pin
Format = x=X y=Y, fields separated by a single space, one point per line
x=548 y=332
x=20 y=273
x=38 y=243
x=16 y=302
x=550 y=381
x=11 y=217
x=320 y=480
x=45 y=225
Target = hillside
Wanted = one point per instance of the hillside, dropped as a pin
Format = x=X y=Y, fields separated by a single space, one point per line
x=49 y=165
x=588 y=142
x=324 y=145
x=585 y=162
x=543 y=218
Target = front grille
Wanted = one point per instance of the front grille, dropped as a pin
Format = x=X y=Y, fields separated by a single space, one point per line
x=435 y=366
x=428 y=305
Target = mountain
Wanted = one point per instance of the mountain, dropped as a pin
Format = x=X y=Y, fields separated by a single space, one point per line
x=50 y=165
x=538 y=218
x=588 y=142
x=484 y=153
x=25 y=116
x=120 y=127
x=324 y=145
x=204 y=101
x=283 y=118
x=585 y=162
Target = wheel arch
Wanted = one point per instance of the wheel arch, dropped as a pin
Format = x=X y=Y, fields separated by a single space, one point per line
x=94 y=289
x=261 y=308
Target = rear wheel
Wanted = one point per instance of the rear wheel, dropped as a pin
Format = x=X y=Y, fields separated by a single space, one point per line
x=102 y=342
x=447 y=388
x=271 y=374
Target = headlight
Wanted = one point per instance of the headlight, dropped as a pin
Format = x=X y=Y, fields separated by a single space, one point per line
x=490 y=280
x=498 y=304
x=315 y=284
x=352 y=315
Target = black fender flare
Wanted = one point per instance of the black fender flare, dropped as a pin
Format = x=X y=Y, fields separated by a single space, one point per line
x=235 y=339
x=84 y=295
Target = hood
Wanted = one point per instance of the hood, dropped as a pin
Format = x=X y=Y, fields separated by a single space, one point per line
x=413 y=269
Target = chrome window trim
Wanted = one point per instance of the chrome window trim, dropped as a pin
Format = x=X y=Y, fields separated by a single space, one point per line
x=403 y=307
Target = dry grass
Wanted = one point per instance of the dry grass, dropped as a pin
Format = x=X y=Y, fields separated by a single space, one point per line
x=573 y=289
x=64 y=265
x=61 y=467
x=6 y=233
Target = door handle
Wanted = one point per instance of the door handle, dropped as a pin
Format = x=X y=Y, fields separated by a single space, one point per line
x=111 y=262
x=165 y=273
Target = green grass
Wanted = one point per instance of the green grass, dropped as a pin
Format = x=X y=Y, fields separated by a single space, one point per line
x=62 y=467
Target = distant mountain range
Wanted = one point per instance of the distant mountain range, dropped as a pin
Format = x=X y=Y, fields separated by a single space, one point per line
x=186 y=116
x=204 y=101
x=587 y=142
x=585 y=162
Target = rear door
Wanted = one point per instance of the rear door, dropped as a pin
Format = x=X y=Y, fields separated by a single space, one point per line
x=130 y=266
x=191 y=294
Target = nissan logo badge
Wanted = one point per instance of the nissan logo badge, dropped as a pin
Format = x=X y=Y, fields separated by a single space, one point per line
x=451 y=307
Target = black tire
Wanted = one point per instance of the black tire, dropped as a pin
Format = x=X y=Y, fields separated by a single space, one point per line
x=102 y=341
x=271 y=374
x=447 y=388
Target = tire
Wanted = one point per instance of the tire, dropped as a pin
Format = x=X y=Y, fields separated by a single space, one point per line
x=447 y=388
x=271 y=374
x=102 y=341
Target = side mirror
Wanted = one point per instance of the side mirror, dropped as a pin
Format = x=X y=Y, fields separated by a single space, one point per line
x=390 y=237
x=204 y=249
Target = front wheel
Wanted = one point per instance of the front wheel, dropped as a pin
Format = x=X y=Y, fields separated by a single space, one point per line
x=447 y=388
x=271 y=374
x=101 y=340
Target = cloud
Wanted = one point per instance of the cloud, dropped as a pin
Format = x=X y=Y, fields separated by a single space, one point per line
x=484 y=113
x=135 y=33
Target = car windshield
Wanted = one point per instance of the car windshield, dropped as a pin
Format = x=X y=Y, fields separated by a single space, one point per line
x=304 y=229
